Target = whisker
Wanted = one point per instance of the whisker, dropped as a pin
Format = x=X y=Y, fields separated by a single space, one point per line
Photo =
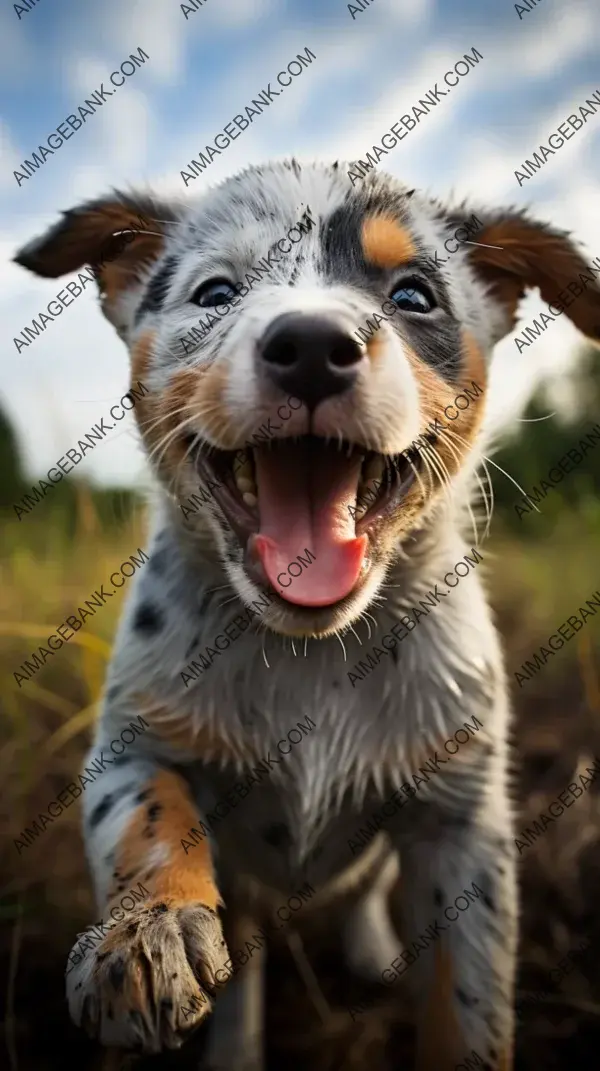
x=491 y=487
x=458 y=455
x=484 y=245
x=430 y=454
x=265 y=660
x=338 y=637
x=533 y=420
x=507 y=474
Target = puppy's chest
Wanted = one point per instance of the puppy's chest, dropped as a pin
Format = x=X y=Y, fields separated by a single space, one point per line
x=289 y=816
x=295 y=775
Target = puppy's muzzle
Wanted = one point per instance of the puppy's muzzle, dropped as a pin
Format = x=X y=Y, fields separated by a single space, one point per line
x=309 y=357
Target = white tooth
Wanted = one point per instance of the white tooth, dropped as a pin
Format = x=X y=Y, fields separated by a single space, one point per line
x=245 y=484
x=250 y=500
x=246 y=470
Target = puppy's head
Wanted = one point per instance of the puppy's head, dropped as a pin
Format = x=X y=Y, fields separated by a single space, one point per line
x=316 y=355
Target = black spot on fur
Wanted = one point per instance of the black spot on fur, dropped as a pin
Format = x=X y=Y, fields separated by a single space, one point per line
x=131 y=929
x=485 y=881
x=154 y=811
x=209 y=910
x=158 y=562
x=469 y=1002
x=159 y=909
x=192 y=647
x=174 y=976
x=148 y=619
x=458 y=822
x=122 y=760
x=113 y=691
x=143 y=796
x=116 y=974
x=100 y=811
x=277 y=835
x=157 y=288
x=493 y=1054
x=205 y=602
x=438 y=897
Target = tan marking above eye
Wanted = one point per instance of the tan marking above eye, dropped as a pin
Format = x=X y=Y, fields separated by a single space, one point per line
x=386 y=243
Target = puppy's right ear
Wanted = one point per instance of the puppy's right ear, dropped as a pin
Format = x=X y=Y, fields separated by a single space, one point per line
x=116 y=237
x=512 y=254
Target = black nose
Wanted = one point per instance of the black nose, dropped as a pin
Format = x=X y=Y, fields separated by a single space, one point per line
x=309 y=357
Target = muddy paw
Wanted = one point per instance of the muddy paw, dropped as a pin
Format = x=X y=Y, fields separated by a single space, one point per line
x=147 y=983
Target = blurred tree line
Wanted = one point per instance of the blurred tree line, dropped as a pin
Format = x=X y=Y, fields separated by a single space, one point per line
x=62 y=503
x=529 y=451
x=533 y=448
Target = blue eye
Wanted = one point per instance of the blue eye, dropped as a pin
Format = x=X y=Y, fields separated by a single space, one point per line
x=214 y=292
x=413 y=297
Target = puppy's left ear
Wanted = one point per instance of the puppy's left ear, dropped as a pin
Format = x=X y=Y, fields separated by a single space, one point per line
x=116 y=236
x=533 y=254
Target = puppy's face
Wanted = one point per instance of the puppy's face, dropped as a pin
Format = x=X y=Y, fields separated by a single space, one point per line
x=306 y=436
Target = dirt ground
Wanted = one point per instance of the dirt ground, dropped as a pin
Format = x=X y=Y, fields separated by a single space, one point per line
x=308 y=1022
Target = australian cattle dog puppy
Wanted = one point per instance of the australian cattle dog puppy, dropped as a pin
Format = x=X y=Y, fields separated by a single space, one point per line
x=310 y=640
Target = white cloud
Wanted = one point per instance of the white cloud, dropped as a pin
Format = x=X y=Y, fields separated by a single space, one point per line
x=158 y=27
x=237 y=13
x=402 y=17
x=563 y=33
x=11 y=161
x=15 y=52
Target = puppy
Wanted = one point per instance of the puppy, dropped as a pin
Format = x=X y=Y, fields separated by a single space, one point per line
x=349 y=410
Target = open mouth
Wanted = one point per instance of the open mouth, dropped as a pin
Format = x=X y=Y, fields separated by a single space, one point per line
x=294 y=495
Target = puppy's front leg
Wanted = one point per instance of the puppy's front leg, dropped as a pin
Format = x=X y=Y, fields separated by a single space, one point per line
x=139 y=978
x=460 y=910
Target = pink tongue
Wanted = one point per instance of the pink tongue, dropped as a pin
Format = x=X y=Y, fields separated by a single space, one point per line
x=303 y=499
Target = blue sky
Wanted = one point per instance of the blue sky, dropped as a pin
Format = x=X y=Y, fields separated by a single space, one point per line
x=201 y=72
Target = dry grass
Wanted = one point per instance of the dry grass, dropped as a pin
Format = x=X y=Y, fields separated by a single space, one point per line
x=46 y=726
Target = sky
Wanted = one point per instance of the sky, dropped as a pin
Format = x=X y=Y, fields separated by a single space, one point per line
x=537 y=67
